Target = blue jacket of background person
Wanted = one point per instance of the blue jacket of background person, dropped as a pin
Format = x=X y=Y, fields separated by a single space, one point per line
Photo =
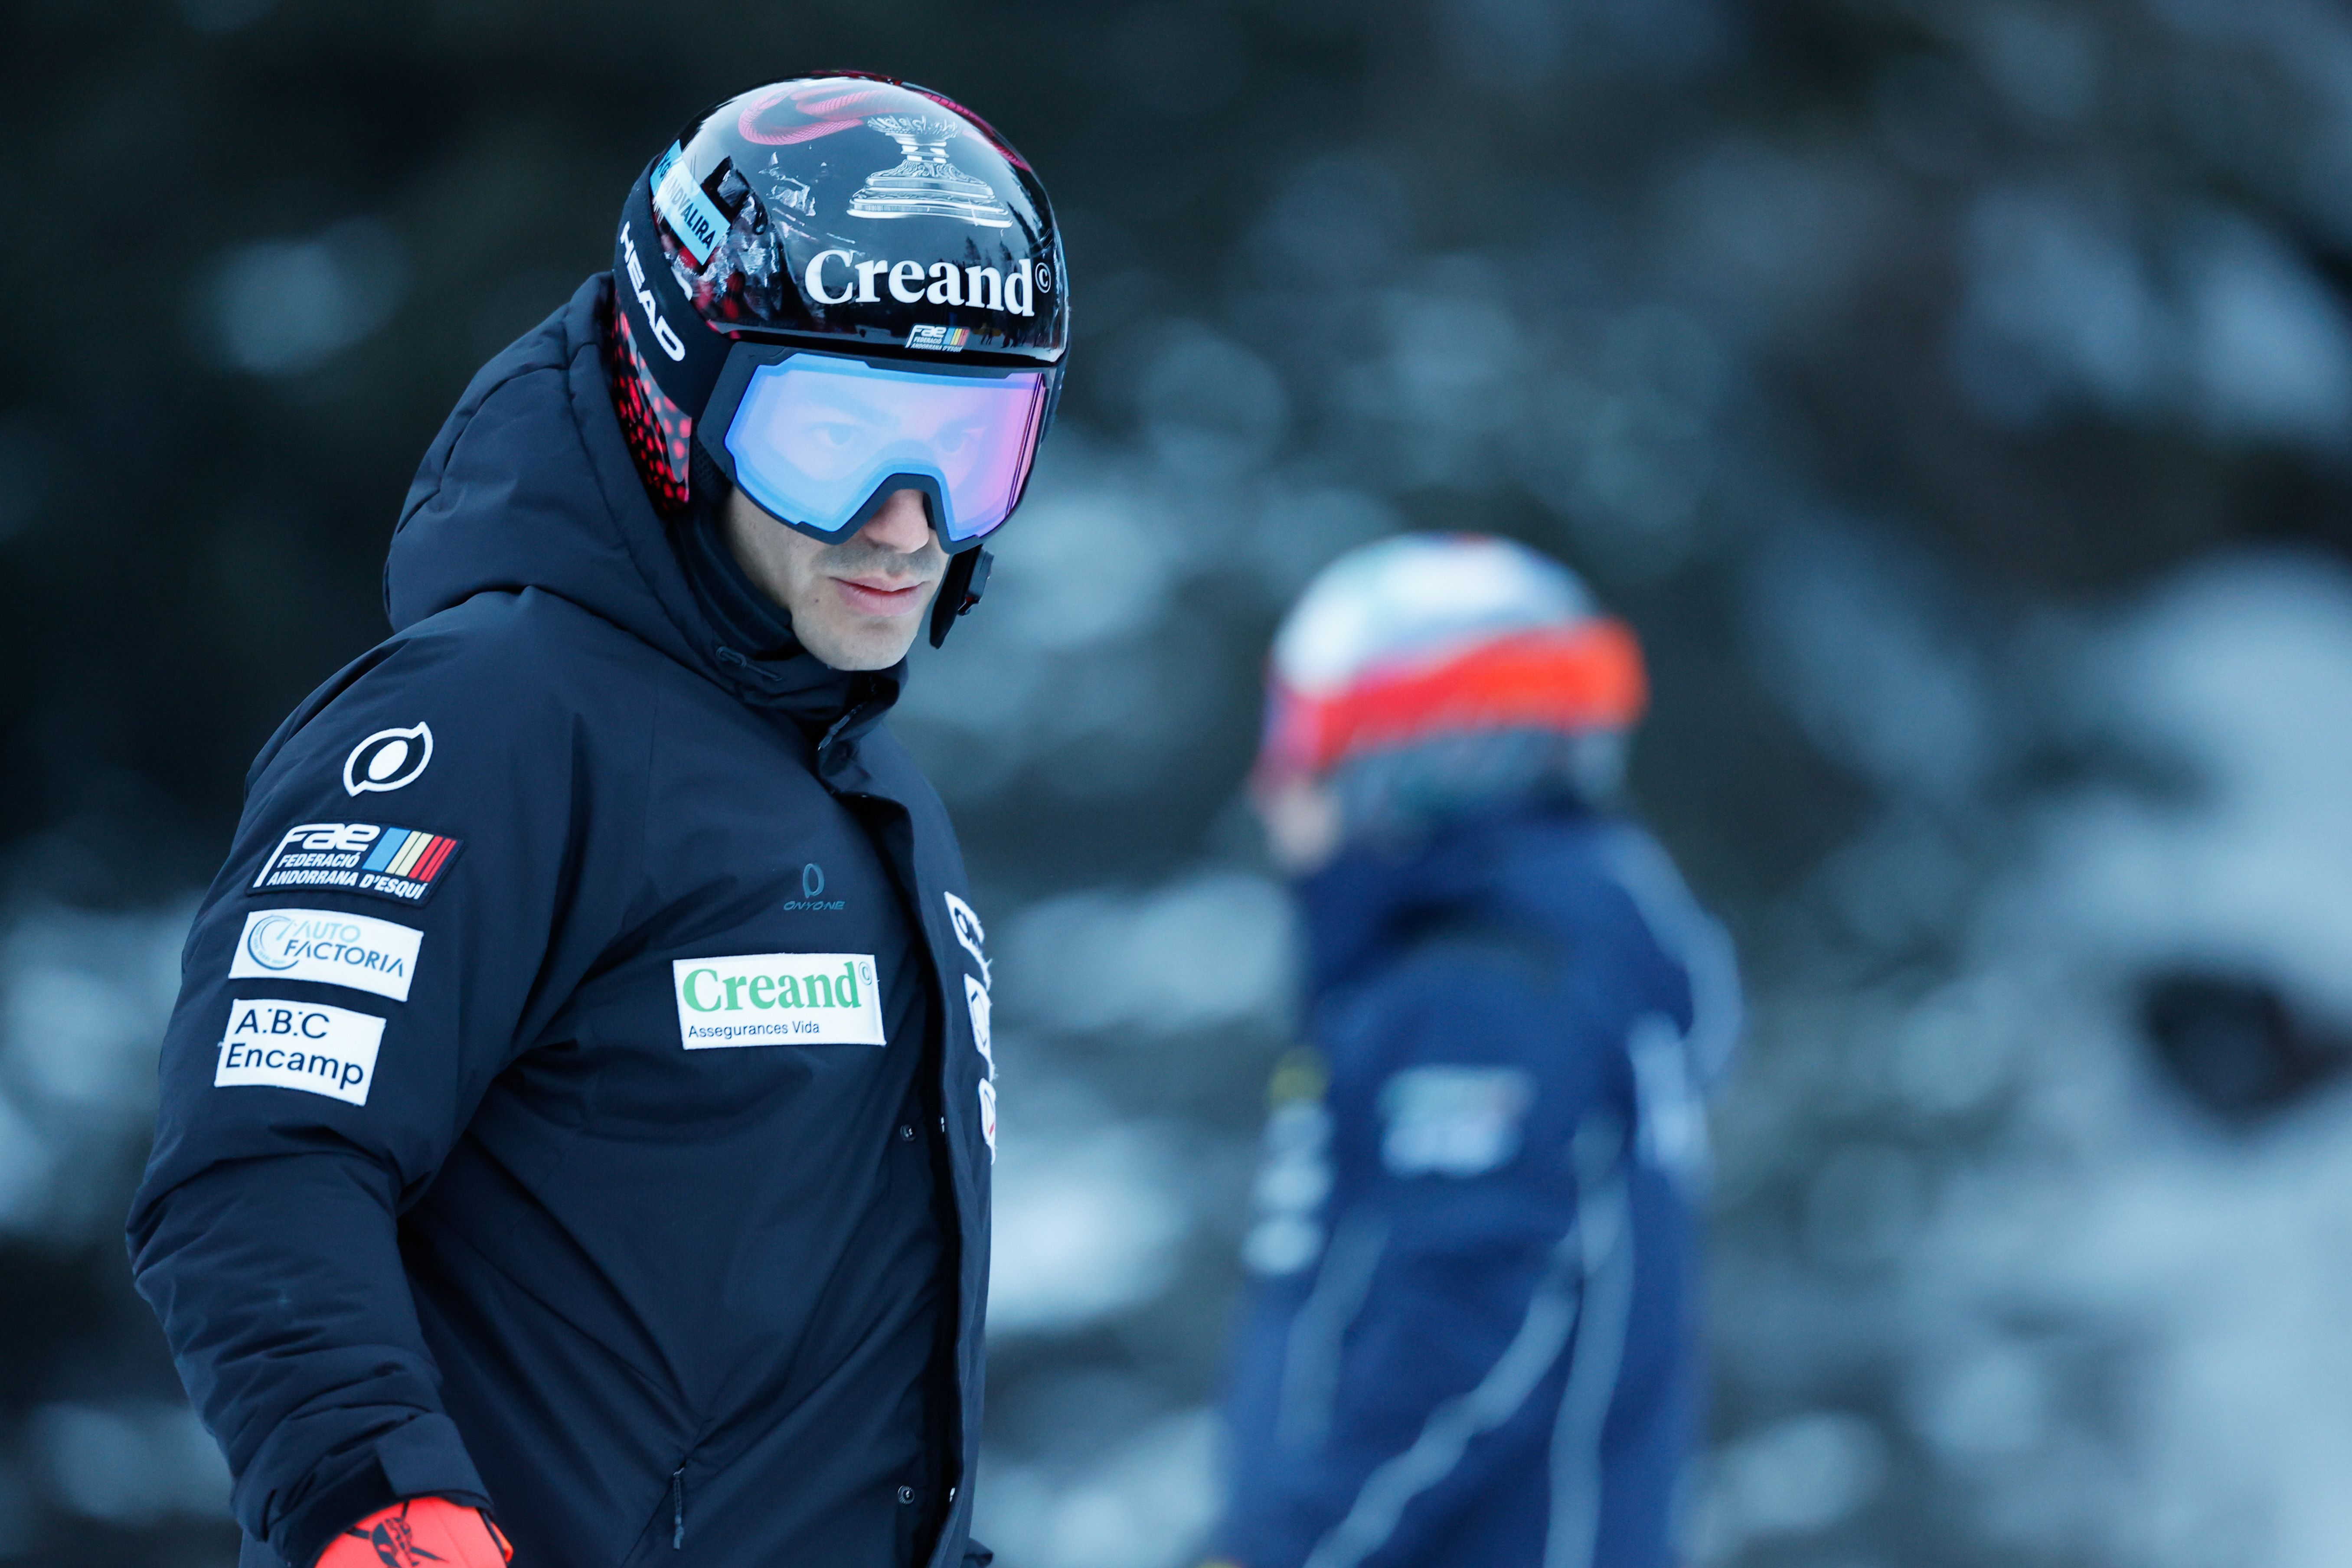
x=578 y=1101
x=1471 y=1341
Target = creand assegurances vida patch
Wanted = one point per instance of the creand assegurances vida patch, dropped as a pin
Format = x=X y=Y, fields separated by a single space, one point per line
x=777 y=999
x=404 y=864
x=275 y=1043
x=329 y=947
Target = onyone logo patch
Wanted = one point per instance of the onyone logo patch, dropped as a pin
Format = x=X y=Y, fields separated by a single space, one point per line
x=401 y=863
x=778 y=999
x=274 y=1043
x=388 y=760
x=813 y=893
x=330 y=948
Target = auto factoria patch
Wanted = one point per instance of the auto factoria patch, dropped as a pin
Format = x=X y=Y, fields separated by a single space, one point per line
x=404 y=864
x=328 y=947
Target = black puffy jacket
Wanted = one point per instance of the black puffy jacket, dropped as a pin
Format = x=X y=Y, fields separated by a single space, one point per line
x=579 y=1100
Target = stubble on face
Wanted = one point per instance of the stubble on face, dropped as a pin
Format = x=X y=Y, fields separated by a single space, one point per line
x=857 y=605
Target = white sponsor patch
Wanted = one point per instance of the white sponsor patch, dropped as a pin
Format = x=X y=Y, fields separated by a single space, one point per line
x=273 y=1043
x=975 y=996
x=969 y=933
x=329 y=947
x=778 y=999
x=1453 y=1121
x=988 y=1117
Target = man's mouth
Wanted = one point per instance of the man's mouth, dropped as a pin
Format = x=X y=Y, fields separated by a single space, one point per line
x=880 y=595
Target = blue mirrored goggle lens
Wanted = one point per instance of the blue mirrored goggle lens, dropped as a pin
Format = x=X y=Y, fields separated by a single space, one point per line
x=815 y=437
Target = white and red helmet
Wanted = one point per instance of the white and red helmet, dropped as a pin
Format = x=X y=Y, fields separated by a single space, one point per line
x=1427 y=638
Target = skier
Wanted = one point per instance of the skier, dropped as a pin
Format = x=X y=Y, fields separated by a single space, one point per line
x=1471 y=1337
x=578 y=1112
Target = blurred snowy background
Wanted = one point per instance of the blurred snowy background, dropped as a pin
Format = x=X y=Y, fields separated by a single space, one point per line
x=1955 y=394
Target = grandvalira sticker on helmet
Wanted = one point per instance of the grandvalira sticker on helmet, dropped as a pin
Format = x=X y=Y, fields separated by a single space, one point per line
x=388 y=760
x=404 y=864
x=690 y=213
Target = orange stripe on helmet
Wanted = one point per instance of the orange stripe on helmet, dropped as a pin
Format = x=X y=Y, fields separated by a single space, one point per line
x=1589 y=676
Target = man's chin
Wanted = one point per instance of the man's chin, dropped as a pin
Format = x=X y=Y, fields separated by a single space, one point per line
x=876 y=645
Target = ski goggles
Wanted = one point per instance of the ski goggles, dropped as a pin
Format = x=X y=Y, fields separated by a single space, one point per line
x=821 y=440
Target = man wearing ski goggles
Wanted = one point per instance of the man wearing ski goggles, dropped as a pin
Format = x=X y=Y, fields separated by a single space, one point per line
x=664 y=1226
x=878 y=470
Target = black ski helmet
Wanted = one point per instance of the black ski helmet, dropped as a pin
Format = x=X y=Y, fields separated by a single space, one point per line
x=846 y=212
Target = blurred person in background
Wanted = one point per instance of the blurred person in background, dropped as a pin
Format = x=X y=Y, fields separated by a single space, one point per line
x=579 y=1108
x=1473 y=1336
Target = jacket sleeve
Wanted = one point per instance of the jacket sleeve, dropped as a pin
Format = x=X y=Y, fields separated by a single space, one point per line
x=1405 y=1384
x=415 y=826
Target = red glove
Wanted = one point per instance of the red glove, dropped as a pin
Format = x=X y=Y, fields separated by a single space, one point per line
x=422 y=1533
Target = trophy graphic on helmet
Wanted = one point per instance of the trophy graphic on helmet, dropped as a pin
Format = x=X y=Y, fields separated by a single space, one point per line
x=925 y=183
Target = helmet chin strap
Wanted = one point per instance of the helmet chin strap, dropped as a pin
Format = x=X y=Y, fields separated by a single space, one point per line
x=959 y=590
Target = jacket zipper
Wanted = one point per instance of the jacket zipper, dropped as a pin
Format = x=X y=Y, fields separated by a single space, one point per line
x=678 y=1509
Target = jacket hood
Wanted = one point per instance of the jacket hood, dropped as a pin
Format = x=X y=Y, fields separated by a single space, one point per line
x=530 y=485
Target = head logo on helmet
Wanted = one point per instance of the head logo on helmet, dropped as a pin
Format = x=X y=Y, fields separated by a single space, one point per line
x=663 y=334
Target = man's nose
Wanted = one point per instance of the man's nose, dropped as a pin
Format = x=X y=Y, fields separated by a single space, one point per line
x=903 y=526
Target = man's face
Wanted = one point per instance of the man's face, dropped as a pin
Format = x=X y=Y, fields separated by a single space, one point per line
x=855 y=605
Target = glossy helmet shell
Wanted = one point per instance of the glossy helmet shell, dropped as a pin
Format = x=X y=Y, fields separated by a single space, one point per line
x=843 y=212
